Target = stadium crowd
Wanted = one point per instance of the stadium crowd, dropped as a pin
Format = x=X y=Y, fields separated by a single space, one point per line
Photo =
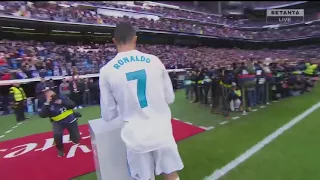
x=233 y=76
x=29 y=59
x=240 y=86
x=171 y=22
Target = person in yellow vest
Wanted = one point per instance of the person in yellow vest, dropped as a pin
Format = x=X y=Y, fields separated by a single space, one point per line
x=60 y=111
x=19 y=97
x=310 y=69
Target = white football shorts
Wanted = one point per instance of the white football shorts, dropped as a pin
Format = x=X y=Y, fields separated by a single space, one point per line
x=143 y=166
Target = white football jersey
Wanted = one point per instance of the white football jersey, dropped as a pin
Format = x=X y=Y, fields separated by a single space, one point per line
x=137 y=88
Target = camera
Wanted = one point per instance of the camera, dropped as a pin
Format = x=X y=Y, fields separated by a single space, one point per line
x=77 y=114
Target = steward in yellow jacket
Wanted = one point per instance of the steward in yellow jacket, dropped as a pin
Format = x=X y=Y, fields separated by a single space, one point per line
x=19 y=97
x=60 y=111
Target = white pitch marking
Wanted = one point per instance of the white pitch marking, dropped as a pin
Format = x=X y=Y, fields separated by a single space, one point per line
x=254 y=110
x=188 y=123
x=223 y=122
x=20 y=123
x=243 y=114
x=1 y=136
x=176 y=119
x=14 y=127
x=243 y=157
x=8 y=131
x=235 y=118
x=207 y=128
x=262 y=106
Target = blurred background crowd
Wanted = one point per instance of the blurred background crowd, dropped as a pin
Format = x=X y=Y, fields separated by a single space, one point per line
x=158 y=18
x=30 y=59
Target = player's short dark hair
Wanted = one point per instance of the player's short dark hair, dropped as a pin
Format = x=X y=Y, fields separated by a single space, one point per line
x=124 y=33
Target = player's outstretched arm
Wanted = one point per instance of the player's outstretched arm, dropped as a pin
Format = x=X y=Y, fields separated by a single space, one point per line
x=107 y=102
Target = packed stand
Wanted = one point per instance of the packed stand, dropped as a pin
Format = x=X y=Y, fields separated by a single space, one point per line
x=30 y=59
x=239 y=84
x=22 y=60
x=189 y=6
x=47 y=11
x=265 y=4
x=195 y=15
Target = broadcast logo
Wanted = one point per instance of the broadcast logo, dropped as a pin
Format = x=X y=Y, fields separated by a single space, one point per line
x=285 y=16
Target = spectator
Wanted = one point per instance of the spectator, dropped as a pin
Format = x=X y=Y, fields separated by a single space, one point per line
x=52 y=86
x=75 y=92
x=20 y=74
x=40 y=88
x=95 y=91
x=86 y=92
x=43 y=73
x=5 y=75
x=64 y=88
x=56 y=71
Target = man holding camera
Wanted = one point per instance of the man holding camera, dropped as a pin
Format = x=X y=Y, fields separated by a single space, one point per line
x=60 y=111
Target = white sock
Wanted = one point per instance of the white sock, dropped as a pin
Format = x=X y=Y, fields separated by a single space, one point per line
x=178 y=178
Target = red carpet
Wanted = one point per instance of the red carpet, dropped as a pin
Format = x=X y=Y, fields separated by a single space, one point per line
x=33 y=157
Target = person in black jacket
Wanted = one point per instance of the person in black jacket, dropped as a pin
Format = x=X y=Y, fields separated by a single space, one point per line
x=60 y=111
x=85 y=90
x=194 y=85
x=75 y=92
x=95 y=91
x=52 y=85
x=199 y=80
x=174 y=80
x=187 y=85
x=40 y=92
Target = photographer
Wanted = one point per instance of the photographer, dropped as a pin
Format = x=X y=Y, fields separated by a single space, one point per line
x=215 y=90
x=60 y=112
x=187 y=85
x=246 y=76
x=206 y=86
x=260 y=84
x=200 y=77
x=174 y=80
x=194 y=84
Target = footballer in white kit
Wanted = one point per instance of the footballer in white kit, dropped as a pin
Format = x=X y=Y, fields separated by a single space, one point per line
x=136 y=87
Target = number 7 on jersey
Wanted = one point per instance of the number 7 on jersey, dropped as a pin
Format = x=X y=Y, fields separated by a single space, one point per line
x=141 y=78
